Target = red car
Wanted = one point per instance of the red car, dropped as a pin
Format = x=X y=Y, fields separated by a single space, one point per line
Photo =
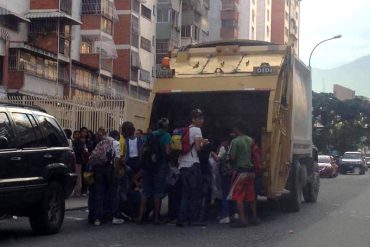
x=327 y=166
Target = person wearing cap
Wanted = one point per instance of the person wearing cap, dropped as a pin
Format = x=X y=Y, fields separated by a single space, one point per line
x=190 y=171
x=154 y=181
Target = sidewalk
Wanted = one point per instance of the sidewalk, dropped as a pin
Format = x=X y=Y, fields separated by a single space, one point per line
x=76 y=203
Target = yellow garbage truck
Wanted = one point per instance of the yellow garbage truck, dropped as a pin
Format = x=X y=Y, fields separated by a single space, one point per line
x=262 y=84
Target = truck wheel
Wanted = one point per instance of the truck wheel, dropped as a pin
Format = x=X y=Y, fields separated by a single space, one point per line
x=49 y=214
x=294 y=201
x=311 y=190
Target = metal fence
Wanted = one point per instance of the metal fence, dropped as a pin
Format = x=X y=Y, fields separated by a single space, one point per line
x=107 y=112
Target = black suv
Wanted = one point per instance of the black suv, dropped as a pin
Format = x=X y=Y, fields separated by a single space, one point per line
x=36 y=167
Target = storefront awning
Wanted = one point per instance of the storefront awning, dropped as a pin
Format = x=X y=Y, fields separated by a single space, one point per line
x=9 y=14
x=53 y=15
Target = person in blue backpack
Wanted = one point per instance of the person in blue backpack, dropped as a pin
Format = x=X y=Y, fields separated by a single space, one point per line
x=154 y=174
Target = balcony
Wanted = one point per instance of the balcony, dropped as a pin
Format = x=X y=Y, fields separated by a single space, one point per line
x=99 y=7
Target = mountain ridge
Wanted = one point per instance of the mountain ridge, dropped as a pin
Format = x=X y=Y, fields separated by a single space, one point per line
x=354 y=75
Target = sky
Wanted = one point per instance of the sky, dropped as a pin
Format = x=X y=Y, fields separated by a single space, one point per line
x=322 y=19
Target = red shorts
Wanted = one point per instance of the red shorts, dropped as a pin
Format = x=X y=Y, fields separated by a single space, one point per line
x=242 y=187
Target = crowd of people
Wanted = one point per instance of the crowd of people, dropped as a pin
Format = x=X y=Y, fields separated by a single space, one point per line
x=127 y=174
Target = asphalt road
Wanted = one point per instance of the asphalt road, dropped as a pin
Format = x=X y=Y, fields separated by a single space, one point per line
x=341 y=217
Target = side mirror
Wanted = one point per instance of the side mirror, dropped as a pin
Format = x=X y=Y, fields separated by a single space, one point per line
x=3 y=142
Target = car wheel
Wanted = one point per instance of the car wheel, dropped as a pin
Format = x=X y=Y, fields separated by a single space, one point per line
x=49 y=215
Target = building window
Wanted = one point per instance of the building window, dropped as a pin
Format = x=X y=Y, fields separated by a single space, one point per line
x=227 y=23
x=84 y=79
x=34 y=65
x=146 y=12
x=252 y=33
x=163 y=15
x=268 y=15
x=196 y=33
x=186 y=31
x=286 y=31
x=135 y=32
x=134 y=74
x=145 y=44
x=135 y=6
x=286 y=16
x=174 y=18
x=154 y=10
x=145 y=75
x=253 y=16
x=86 y=47
x=106 y=25
x=162 y=48
x=268 y=31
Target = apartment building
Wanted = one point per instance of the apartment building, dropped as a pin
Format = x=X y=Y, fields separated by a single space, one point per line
x=77 y=47
x=169 y=13
x=135 y=42
x=194 y=21
x=285 y=23
x=240 y=19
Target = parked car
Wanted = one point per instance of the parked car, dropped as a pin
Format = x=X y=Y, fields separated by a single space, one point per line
x=352 y=162
x=36 y=167
x=327 y=166
x=368 y=161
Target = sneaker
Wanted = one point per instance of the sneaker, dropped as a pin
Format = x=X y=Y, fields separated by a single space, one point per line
x=118 y=221
x=97 y=222
x=225 y=220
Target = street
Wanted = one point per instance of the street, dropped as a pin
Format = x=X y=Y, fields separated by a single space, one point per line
x=340 y=218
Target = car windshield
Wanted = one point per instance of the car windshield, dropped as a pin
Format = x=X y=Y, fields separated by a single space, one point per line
x=324 y=159
x=352 y=156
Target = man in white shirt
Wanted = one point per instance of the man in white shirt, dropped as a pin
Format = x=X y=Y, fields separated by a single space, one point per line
x=191 y=175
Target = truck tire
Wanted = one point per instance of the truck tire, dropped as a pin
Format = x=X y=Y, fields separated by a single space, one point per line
x=48 y=216
x=294 y=200
x=311 y=190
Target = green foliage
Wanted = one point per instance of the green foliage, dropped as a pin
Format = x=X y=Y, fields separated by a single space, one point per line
x=340 y=125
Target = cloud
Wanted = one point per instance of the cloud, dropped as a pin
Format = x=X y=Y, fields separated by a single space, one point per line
x=324 y=19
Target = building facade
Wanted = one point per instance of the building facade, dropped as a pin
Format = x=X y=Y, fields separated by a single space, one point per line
x=169 y=13
x=343 y=93
x=180 y=23
x=135 y=41
x=235 y=19
x=77 y=47
x=194 y=21
x=285 y=16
